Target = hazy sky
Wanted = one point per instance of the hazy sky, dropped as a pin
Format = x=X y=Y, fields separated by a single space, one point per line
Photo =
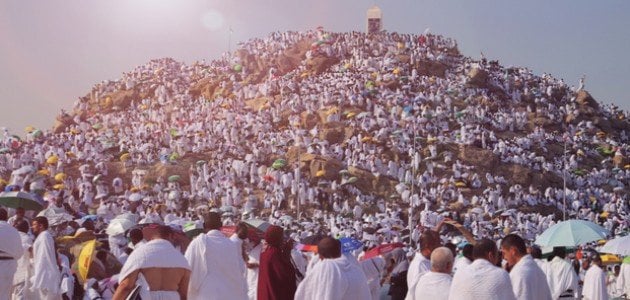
x=53 y=51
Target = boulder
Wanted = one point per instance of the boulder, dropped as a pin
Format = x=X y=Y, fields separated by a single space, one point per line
x=478 y=77
x=431 y=68
x=478 y=157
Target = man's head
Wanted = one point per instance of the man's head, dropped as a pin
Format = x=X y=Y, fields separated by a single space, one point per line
x=88 y=224
x=20 y=212
x=597 y=260
x=274 y=236
x=513 y=248
x=4 y=215
x=135 y=235
x=486 y=249
x=442 y=260
x=163 y=232
x=535 y=252
x=39 y=224
x=21 y=225
x=212 y=221
x=586 y=263
x=241 y=231
x=559 y=252
x=329 y=247
x=467 y=251
x=429 y=240
x=59 y=201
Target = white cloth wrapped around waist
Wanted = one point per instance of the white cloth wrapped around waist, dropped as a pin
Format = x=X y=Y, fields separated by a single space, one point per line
x=157 y=253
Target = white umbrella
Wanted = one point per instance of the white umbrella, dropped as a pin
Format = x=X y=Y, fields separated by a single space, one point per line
x=24 y=170
x=119 y=226
x=135 y=197
x=620 y=245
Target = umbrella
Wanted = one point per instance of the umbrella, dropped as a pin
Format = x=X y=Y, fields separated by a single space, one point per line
x=258 y=224
x=24 y=170
x=609 y=259
x=571 y=233
x=306 y=248
x=118 y=226
x=5 y=150
x=20 y=199
x=174 y=178
x=52 y=160
x=125 y=157
x=135 y=197
x=349 y=244
x=55 y=218
x=381 y=249
x=252 y=234
x=620 y=245
x=279 y=164
x=97 y=178
x=85 y=259
x=312 y=239
x=60 y=177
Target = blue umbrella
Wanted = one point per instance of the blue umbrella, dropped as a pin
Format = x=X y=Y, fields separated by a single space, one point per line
x=571 y=233
x=350 y=244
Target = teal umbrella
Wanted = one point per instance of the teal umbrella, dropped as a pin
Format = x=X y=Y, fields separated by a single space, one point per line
x=571 y=233
x=27 y=201
x=174 y=178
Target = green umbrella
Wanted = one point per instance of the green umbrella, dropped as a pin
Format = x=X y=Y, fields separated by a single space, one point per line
x=174 y=178
x=5 y=150
x=259 y=224
x=37 y=133
x=352 y=179
x=571 y=233
x=20 y=199
x=279 y=164
x=201 y=162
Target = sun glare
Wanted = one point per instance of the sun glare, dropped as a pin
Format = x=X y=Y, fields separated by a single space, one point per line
x=212 y=20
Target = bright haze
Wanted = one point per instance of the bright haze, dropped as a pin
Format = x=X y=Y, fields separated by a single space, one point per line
x=54 y=51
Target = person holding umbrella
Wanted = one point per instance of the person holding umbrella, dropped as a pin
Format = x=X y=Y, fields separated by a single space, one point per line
x=46 y=275
x=10 y=251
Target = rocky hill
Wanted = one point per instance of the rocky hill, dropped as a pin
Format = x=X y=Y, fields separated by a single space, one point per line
x=381 y=97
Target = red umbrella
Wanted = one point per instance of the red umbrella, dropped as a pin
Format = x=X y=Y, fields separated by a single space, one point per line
x=381 y=249
x=252 y=234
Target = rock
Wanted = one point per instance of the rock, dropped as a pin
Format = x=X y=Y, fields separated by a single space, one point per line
x=478 y=157
x=258 y=103
x=320 y=64
x=123 y=98
x=333 y=132
x=431 y=68
x=478 y=77
x=204 y=87
x=583 y=98
x=330 y=166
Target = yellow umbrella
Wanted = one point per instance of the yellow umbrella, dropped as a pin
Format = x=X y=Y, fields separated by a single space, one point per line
x=85 y=259
x=460 y=184
x=608 y=259
x=320 y=173
x=29 y=129
x=125 y=157
x=350 y=115
x=58 y=186
x=70 y=154
x=43 y=172
x=52 y=160
x=60 y=177
x=3 y=182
